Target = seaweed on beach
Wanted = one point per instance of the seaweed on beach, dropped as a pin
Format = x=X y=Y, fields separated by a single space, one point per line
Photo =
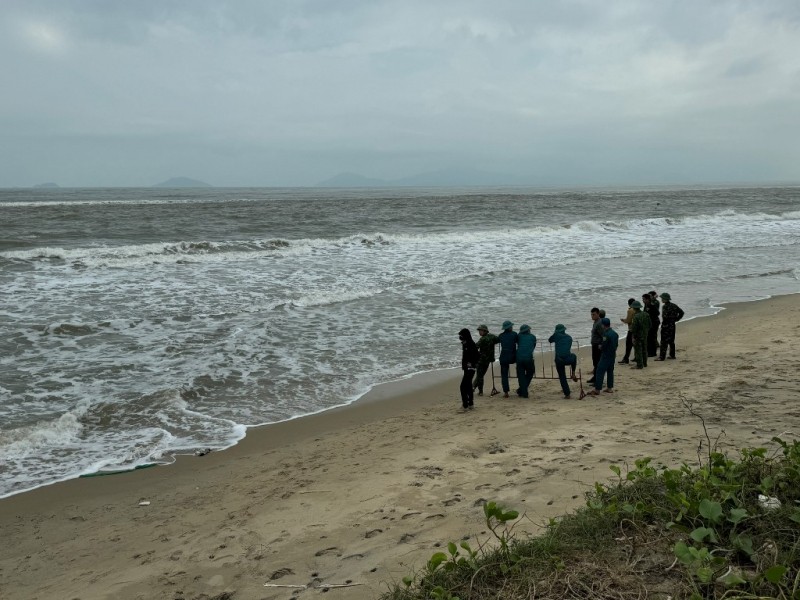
x=726 y=528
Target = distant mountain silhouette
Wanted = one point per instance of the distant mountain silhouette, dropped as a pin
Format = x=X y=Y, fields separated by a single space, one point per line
x=352 y=180
x=443 y=178
x=49 y=184
x=182 y=182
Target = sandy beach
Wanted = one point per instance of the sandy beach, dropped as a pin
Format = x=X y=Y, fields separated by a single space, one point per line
x=365 y=494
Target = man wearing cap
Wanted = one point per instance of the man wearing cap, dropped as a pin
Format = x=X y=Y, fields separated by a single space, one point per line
x=508 y=353
x=671 y=313
x=564 y=356
x=640 y=327
x=526 y=343
x=608 y=354
x=486 y=349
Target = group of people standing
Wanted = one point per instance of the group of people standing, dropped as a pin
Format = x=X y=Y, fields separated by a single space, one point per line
x=643 y=320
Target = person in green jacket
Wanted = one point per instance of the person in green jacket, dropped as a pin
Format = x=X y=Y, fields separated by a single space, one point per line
x=486 y=344
x=640 y=328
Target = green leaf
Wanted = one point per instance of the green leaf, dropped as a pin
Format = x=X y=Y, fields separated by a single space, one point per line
x=508 y=516
x=704 y=574
x=436 y=560
x=616 y=470
x=701 y=533
x=744 y=543
x=737 y=514
x=452 y=549
x=684 y=553
x=408 y=580
x=775 y=574
x=710 y=510
x=795 y=516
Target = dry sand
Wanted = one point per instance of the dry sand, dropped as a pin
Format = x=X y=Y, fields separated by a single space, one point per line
x=366 y=494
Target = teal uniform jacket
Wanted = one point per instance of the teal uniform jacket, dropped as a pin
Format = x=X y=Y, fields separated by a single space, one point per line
x=526 y=342
x=608 y=347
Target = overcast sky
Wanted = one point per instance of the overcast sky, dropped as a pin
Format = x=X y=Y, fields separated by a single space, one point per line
x=270 y=92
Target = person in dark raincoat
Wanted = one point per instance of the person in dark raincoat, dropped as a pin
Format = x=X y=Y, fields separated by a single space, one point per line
x=628 y=338
x=485 y=345
x=596 y=339
x=652 y=308
x=671 y=313
x=469 y=362
x=640 y=328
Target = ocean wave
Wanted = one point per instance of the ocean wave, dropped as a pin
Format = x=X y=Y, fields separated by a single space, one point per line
x=280 y=247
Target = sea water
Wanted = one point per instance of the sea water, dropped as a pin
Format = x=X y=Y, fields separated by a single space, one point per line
x=142 y=323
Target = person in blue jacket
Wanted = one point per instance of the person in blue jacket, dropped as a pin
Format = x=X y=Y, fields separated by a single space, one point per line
x=563 y=357
x=608 y=356
x=526 y=343
x=508 y=353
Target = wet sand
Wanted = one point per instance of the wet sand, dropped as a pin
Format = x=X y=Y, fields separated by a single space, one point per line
x=365 y=494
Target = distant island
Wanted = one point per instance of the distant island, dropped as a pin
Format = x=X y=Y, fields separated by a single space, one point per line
x=48 y=184
x=441 y=178
x=182 y=182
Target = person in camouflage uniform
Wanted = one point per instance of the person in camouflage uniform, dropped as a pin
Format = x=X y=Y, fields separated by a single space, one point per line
x=671 y=313
x=640 y=327
x=485 y=345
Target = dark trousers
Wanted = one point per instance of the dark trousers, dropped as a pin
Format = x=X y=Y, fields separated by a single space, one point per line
x=668 y=339
x=652 y=338
x=595 y=355
x=504 y=376
x=561 y=369
x=640 y=352
x=467 y=398
x=628 y=346
x=525 y=372
x=605 y=368
x=483 y=366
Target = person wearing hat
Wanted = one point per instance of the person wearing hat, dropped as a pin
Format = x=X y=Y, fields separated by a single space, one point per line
x=671 y=313
x=469 y=361
x=526 y=343
x=485 y=345
x=640 y=328
x=627 y=319
x=651 y=307
x=564 y=356
x=608 y=355
x=508 y=353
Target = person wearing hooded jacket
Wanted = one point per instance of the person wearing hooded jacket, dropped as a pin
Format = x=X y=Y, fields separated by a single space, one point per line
x=526 y=343
x=508 y=353
x=640 y=329
x=485 y=345
x=564 y=356
x=469 y=362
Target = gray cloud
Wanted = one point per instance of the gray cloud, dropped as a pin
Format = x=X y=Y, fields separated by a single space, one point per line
x=289 y=93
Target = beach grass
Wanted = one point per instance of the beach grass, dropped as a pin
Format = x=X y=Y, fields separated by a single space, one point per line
x=726 y=528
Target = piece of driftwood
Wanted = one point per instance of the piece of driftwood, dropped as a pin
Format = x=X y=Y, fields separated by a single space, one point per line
x=285 y=585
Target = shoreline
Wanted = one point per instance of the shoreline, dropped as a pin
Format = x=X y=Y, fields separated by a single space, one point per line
x=366 y=491
x=377 y=393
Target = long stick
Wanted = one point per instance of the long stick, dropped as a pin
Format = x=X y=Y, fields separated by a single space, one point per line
x=494 y=388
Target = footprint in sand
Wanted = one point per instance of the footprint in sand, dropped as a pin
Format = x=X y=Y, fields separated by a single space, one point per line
x=411 y=514
x=451 y=501
x=372 y=533
x=331 y=550
x=512 y=472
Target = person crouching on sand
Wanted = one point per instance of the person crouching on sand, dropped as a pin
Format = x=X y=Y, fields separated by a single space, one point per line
x=563 y=356
x=469 y=362
x=508 y=353
x=485 y=345
x=608 y=354
x=526 y=343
